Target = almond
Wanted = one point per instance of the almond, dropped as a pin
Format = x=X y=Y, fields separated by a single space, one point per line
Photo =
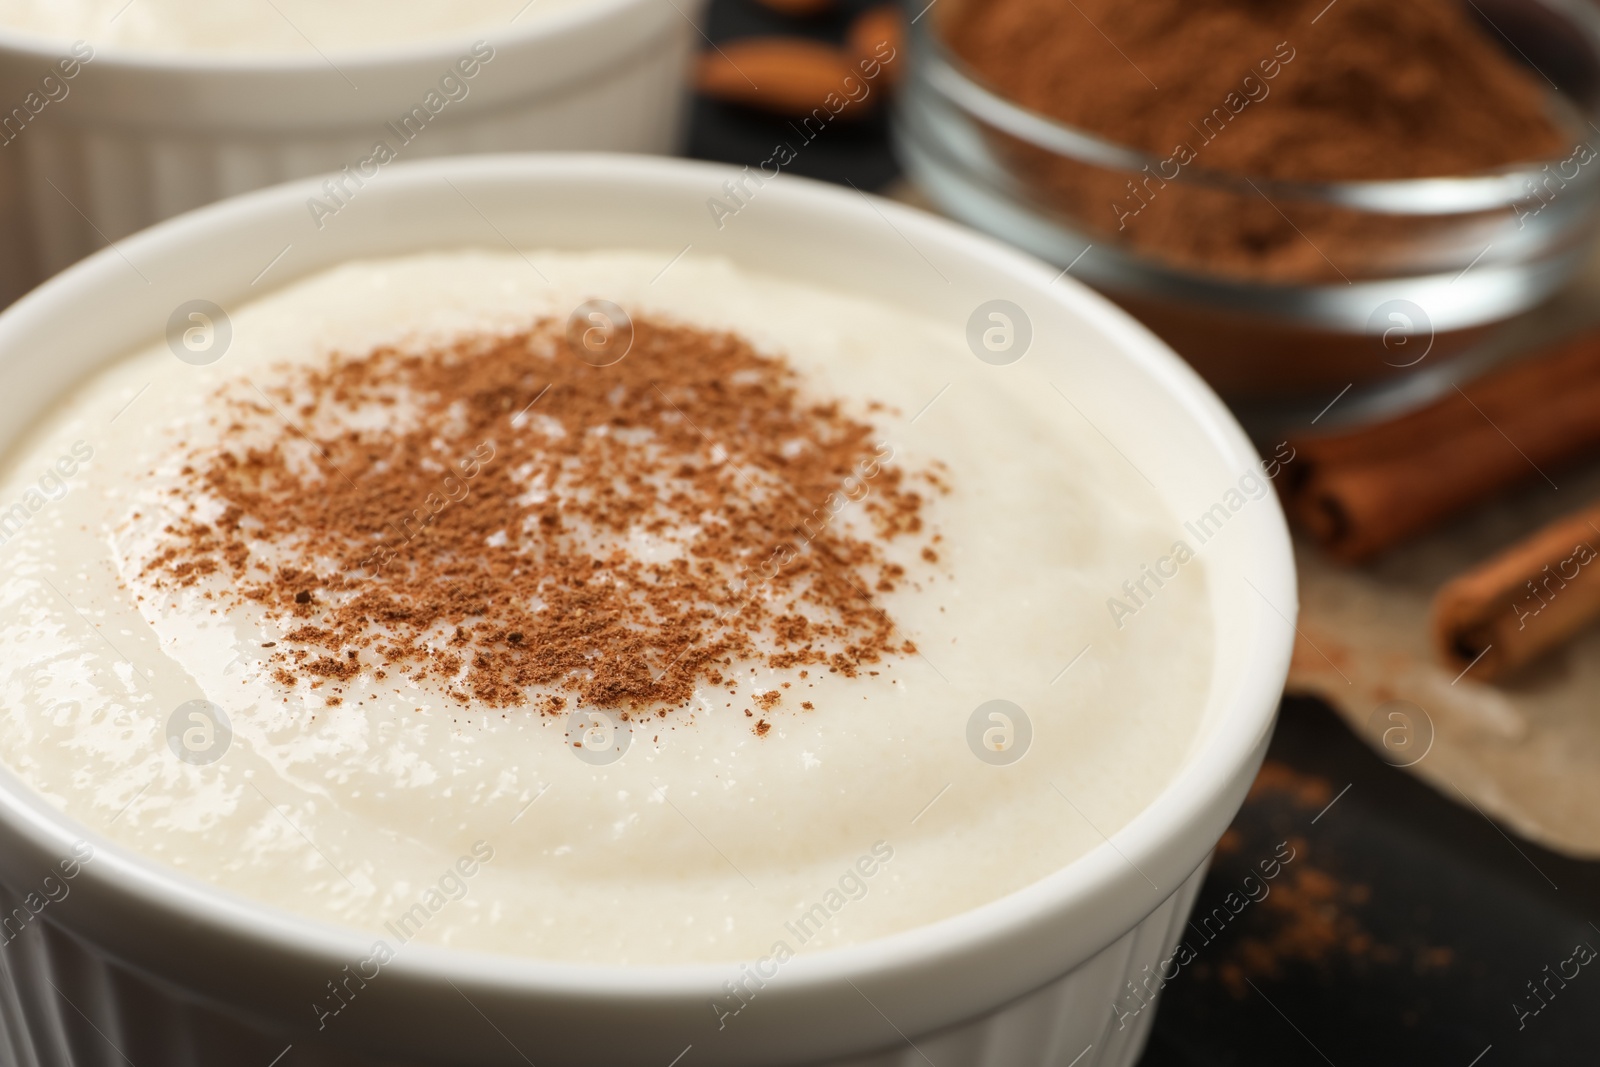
x=798 y=8
x=785 y=75
x=880 y=34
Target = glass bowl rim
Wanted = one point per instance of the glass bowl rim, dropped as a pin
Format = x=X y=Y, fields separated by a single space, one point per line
x=1497 y=188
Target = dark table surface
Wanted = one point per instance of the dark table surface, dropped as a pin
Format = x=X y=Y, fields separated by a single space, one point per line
x=1406 y=929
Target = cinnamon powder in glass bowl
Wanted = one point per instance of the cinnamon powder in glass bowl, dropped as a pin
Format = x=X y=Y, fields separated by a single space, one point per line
x=1295 y=195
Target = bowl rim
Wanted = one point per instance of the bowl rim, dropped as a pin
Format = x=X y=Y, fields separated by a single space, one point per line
x=574 y=16
x=1216 y=770
x=1497 y=187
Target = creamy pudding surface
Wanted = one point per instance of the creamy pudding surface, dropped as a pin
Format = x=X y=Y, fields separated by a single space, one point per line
x=438 y=608
x=266 y=27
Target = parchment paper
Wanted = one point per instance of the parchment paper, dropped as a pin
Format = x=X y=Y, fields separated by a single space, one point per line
x=1525 y=751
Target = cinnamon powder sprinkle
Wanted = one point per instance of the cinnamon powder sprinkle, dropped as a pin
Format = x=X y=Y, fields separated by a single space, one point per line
x=519 y=527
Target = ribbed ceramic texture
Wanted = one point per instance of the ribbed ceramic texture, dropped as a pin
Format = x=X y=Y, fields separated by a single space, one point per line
x=1068 y=1023
x=69 y=187
x=64 y=1004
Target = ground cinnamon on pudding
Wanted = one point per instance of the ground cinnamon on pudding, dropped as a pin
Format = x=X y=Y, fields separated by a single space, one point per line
x=521 y=527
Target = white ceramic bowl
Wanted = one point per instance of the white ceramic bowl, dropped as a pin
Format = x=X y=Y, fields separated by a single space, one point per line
x=171 y=971
x=136 y=138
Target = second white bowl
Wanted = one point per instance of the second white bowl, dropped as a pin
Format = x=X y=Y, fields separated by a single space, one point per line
x=130 y=139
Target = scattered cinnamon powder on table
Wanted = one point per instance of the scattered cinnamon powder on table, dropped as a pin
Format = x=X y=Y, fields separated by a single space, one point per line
x=1287 y=90
x=1306 y=791
x=1308 y=916
x=517 y=526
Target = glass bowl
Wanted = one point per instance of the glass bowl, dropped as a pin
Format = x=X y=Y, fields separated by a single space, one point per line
x=1286 y=289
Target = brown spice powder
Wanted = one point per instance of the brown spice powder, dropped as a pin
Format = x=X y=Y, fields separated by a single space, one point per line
x=1286 y=90
x=521 y=527
x=1378 y=89
x=1310 y=915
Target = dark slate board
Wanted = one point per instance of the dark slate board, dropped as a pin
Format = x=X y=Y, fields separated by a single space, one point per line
x=1450 y=917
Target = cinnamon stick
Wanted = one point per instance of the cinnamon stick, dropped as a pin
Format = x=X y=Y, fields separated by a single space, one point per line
x=1362 y=492
x=1523 y=602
